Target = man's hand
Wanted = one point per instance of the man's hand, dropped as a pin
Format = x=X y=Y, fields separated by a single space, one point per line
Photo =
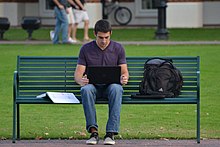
x=124 y=80
x=84 y=81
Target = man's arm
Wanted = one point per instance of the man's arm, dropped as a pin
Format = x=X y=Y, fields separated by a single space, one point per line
x=59 y=5
x=124 y=74
x=77 y=3
x=79 y=77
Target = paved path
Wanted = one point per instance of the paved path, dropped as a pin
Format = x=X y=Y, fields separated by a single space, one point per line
x=119 y=143
x=122 y=42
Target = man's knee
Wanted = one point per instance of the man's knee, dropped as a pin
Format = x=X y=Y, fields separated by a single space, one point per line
x=115 y=93
x=87 y=88
x=116 y=88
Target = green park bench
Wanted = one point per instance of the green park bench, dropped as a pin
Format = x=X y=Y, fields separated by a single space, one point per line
x=37 y=75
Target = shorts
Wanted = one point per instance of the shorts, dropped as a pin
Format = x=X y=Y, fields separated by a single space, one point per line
x=70 y=17
x=80 y=15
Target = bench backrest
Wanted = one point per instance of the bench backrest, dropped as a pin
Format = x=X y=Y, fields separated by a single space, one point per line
x=37 y=75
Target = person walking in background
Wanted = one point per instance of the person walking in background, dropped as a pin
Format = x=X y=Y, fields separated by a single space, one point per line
x=61 y=22
x=71 y=23
x=101 y=52
x=71 y=19
x=81 y=15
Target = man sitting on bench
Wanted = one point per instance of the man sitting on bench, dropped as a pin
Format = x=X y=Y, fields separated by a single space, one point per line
x=101 y=52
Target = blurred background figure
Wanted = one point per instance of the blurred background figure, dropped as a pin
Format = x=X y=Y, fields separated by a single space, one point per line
x=61 y=22
x=71 y=19
x=80 y=15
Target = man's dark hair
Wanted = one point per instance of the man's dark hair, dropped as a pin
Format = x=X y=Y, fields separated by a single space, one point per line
x=102 y=26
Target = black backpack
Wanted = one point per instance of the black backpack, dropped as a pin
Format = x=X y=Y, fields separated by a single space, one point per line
x=161 y=77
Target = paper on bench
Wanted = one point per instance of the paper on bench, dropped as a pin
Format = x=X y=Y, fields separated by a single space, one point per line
x=60 y=97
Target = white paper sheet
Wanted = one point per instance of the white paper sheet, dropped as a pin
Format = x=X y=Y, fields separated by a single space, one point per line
x=60 y=97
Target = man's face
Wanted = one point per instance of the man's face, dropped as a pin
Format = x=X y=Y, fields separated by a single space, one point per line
x=103 y=39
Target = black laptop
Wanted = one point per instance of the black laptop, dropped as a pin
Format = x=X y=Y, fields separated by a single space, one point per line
x=104 y=74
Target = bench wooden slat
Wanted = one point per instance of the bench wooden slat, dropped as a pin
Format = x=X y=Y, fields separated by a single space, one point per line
x=46 y=83
x=125 y=101
x=44 y=74
x=140 y=74
x=40 y=78
x=48 y=69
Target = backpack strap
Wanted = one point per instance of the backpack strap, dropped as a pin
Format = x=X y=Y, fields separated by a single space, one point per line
x=170 y=63
x=169 y=60
x=161 y=62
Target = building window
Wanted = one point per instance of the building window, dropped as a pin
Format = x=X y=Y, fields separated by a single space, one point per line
x=145 y=8
x=47 y=6
x=147 y=4
x=45 y=9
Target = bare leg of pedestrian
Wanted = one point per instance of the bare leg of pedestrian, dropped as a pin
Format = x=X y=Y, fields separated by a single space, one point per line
x=71 y=23
x=75 y=25
x=86 y=31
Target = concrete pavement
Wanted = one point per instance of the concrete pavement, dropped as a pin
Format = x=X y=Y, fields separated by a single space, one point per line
x=119 y=143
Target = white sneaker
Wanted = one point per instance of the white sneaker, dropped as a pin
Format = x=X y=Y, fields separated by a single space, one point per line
x=77 y=41
x=51 y=34
x=71 y=40
x=109 y=139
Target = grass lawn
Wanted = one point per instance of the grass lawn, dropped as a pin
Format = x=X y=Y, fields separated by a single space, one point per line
x=137 y=121
x=135 y=34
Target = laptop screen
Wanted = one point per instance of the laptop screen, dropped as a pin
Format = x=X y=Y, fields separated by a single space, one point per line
x=104 y=74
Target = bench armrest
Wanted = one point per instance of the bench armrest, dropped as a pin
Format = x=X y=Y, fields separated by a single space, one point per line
x=15 y=85
x=198 y=78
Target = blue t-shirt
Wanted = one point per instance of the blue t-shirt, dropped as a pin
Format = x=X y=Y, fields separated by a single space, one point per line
x=90 y=55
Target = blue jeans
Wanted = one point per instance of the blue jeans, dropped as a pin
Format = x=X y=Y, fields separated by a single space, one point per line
x=61 y=25
x=113 y=93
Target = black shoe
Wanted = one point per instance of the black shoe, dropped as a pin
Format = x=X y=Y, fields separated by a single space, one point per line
x=109 y=139
x=94 y=139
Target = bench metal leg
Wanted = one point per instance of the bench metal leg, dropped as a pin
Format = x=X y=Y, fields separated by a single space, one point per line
x=198 y=122
x=14 y=123
x=18 y=122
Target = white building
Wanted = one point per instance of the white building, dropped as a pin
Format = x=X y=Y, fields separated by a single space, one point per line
x=180 y=13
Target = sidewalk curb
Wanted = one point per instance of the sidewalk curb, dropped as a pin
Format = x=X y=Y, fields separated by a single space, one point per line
x=119 y=143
